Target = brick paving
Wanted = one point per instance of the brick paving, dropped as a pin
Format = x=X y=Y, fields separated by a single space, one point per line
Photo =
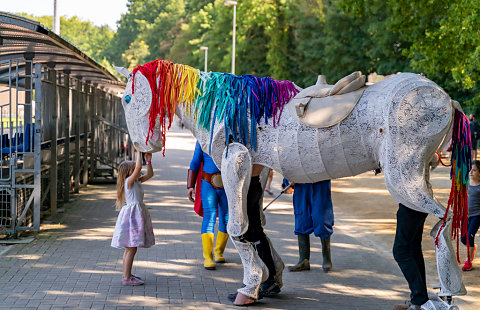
x=70 y=264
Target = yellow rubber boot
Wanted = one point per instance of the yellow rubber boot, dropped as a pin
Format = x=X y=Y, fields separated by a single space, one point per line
x=222 y=239
x=207 y=241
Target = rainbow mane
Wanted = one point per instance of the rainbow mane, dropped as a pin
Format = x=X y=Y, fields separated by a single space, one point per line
x=234 y=99
x=461 y=164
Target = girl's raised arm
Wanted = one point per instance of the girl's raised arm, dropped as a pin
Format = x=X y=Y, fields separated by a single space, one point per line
x=136 y=172
x=148 y=159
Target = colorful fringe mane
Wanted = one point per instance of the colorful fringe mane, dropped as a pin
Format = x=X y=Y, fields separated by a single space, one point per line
x=177 y=83
x=461 y=164
x=234 y=99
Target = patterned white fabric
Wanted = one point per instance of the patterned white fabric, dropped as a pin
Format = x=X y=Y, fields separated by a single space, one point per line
x=236 y=173
x=451 y=282
x=436 y=303
x=254 y=270
x=397 y=125
x=136 y=115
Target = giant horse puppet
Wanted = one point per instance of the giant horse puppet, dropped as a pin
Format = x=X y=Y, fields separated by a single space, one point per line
x=397 y=125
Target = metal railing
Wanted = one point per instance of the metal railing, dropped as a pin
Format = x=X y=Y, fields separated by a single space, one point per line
x=57 y=134
x=111 y=147
x=20 y=172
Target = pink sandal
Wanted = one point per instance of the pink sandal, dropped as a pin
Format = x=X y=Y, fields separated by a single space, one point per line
x=133 y=281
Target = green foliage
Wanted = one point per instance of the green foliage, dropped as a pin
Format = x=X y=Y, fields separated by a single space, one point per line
x=279 y=31
x=309 y=42
x=137 y=53
x=440 y=39
x=185 y=49
x=298 y=39
x=149 y=24
x=194 y=6
x=90 y=39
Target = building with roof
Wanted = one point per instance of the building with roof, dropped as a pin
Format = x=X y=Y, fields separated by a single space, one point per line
x=61 y=122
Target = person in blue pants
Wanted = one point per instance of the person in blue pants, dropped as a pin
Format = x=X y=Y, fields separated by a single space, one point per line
x=313 y=208
x=213 y=199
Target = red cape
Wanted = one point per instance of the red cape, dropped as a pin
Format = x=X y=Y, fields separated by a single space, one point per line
x=198 y=197
x=197 y=206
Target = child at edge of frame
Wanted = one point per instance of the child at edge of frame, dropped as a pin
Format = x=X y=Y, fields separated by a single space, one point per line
x=473 y=214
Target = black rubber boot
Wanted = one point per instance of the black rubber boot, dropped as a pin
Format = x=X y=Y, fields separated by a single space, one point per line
x=327 y=259
x=304 y=252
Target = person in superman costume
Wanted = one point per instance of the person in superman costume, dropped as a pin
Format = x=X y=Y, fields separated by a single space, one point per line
x=210 y=198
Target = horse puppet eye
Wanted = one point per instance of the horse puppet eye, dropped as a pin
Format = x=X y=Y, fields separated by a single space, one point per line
x=127 y=98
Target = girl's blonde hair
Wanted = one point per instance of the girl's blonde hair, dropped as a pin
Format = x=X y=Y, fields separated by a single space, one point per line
x=124 y=170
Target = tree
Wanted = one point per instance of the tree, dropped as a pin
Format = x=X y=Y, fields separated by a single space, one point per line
x=150 y=21
x=90 y=39
x=191 y=36
x=299 y=39
x=441 y=39
x=137 y=53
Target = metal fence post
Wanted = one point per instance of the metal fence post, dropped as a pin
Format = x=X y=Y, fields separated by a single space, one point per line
x=52 y=76
x=37 y=177
x=65 y=102
x=92 y=115
x=76 y=103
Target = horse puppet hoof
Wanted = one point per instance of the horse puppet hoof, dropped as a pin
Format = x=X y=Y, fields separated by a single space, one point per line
x=243 y=300
x=439 y=303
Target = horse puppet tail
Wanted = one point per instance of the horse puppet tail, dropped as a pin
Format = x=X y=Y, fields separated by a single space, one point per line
x=461 y=163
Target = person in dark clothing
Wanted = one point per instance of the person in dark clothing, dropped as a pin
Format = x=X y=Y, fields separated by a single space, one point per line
x=407 y=251
x=256 y=236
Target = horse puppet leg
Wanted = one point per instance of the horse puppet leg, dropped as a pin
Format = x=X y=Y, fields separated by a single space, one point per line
x=449 y=274
x=409 y=184
x=236 y=174
x=277 y=260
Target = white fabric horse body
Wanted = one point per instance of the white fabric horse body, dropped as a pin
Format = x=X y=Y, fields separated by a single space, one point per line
x=397 y=125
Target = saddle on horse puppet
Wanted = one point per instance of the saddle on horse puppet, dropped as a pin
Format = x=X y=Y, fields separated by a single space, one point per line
x=397 y=125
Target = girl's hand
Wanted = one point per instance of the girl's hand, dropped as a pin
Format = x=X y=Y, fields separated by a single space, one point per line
x=148 y=157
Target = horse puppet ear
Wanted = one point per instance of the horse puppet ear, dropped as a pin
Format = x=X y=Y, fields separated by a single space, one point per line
x=123 y=71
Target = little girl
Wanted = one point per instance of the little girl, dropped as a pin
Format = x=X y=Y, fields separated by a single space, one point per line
x=473 y=213
x=134 y=225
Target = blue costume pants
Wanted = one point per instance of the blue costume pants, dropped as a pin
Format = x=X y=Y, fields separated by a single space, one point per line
x=312 y=204
x=211 y=198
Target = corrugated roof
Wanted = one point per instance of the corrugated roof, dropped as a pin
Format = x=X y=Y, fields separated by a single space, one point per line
x=20 y=35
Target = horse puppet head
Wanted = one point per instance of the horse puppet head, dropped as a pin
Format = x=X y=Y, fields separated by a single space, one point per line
x=152 y=93
x=136 y=102
x=155 y=89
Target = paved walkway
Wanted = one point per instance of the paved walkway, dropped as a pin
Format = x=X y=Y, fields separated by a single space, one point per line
x=71 y=265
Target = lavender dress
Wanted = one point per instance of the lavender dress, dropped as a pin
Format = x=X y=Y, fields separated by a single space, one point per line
x=134 y=225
